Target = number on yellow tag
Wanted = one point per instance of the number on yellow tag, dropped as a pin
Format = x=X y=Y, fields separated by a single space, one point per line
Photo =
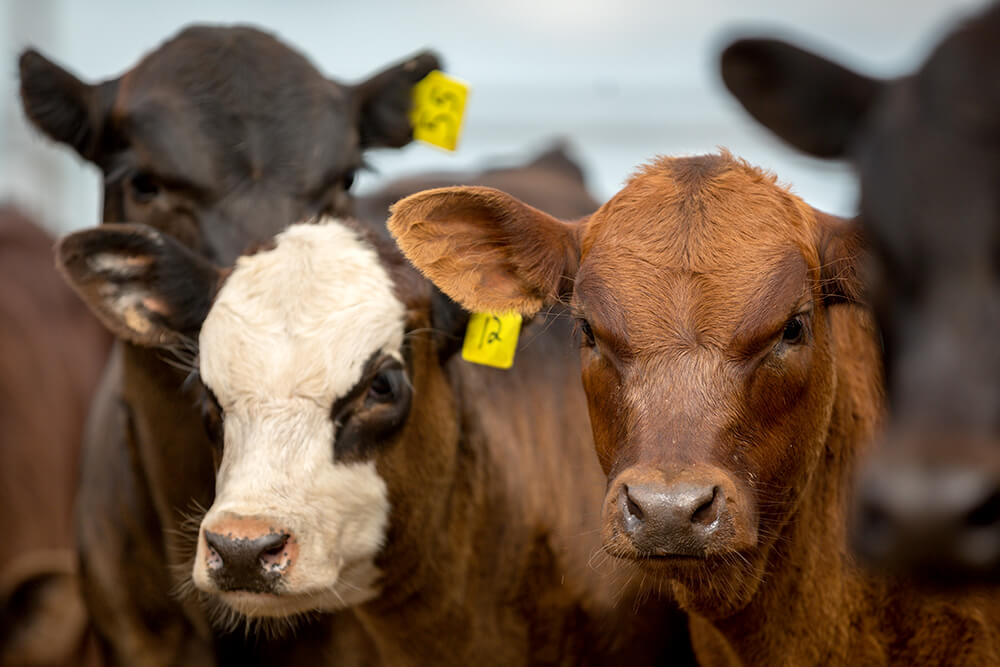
x=490 y=339
x=438 y=107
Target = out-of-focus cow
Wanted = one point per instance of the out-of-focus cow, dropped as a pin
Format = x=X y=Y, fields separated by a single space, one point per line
x=927 y=150
x=51 y=354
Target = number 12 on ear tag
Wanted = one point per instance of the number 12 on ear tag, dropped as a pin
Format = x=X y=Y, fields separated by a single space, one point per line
x=491 y=339
x=438 y=107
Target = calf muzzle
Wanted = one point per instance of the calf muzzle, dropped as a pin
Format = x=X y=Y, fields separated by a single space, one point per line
x=691 y=513
x=937 y=522
x=248 y=555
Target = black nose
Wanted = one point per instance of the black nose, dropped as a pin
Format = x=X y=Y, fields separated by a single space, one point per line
x=676 y=519
x=245 y=563
x=939 y=523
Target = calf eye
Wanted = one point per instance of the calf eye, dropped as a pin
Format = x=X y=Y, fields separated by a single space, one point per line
x=383 y=386
x=794 y=330
x=586 y=333
x=144 y=186
x=348 y=179
x=212 y=417
x=372 y=412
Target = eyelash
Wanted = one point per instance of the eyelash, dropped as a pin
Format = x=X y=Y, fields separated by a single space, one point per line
x=586 y=333
x=796 y=330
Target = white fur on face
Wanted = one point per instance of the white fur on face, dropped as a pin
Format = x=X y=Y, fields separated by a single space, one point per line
x=289 y=333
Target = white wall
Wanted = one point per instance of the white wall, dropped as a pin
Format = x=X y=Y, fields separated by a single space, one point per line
x=623 y=79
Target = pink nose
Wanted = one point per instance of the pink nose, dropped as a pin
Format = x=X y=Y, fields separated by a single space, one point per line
x=247 y=553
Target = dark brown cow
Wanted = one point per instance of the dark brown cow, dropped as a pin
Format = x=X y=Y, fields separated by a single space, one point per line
x=926 y=149
x=731 y=389
x=52 y=354
x=221 y=137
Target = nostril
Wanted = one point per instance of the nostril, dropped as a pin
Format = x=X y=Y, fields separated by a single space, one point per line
x=216 y=548
x=705 y=513
x=987 y=513
x=632 y=507
x=272 y=548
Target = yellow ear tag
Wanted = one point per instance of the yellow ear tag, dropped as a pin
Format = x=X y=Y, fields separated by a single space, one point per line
x=438 y=107
x=490 y=339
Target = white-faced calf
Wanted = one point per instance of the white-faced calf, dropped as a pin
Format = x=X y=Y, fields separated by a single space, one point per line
x=451 y=506
x=732 y=382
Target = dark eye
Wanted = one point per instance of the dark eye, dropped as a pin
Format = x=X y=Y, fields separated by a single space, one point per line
x=144 y=186
x=794 y=330
x=211 y=417
x=348 y=179
x=383 y=387
x=586 y=333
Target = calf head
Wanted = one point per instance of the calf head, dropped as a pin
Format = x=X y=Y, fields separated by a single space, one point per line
x=927 y=150
x=324 y=395
x=223 y=135
x=701 y=291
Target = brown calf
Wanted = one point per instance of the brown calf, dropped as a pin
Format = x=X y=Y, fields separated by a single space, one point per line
x=221 y=137
x=926 y=150
x=362 y=466
x=730 y=389
x=51 y=354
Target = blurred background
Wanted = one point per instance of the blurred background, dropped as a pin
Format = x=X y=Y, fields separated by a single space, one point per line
x=622 y=80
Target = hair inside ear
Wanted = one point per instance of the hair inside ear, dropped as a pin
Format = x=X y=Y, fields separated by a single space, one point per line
x=486 y=249
x=147 y=288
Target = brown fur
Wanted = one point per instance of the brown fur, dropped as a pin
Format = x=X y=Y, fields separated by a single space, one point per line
x=495 y=494
x=53 y=350
x=684 y=382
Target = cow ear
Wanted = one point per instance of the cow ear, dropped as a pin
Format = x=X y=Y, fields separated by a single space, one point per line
x=144 y=286
x=842 y=254
x=812 y=103
x=486 y=249
x=60 y=105
x=385 y=100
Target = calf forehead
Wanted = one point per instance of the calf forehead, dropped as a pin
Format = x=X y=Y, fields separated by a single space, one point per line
x=234 y=101
x=698 y=213
x=689 y=245
x=301 y=320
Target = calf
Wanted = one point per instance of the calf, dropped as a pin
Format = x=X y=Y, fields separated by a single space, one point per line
x=449 y=505
x=220 y=137
x=551 y=181
x=732 y=384
x=925 y=148
x=51 y=354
